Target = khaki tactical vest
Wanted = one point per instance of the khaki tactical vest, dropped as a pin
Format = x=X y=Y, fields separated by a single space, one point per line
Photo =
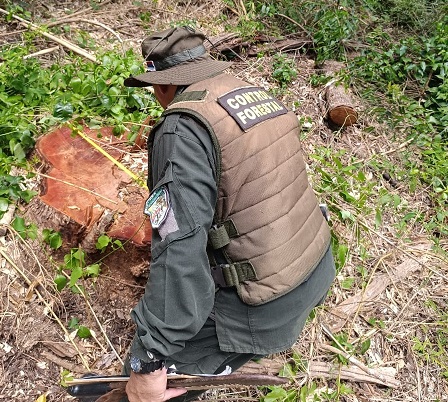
x=268 y=224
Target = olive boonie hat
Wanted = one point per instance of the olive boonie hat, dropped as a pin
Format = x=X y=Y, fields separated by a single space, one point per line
x=176 y=56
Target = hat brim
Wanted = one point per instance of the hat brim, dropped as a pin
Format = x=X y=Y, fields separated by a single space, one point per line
x=182 y=74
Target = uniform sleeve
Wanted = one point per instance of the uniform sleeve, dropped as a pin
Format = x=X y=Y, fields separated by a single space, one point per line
x=180 y=292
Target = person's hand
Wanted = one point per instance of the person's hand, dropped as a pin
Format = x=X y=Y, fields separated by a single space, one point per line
x=151 y=387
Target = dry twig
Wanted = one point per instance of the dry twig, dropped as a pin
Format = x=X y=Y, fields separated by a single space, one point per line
x=41 y=52
x=93 y=22
x=44 y=301
x=54 y=38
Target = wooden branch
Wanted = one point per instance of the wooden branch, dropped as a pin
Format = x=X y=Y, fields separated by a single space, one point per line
x=369 y=371
x=15 y=32
x=293 y=22
x=269 y=366
x=340 y=107
x=340 y=314
x=54 y=38
x=262 y=43
x=353 y=373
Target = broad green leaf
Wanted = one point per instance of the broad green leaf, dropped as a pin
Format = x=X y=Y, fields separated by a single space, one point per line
x=114 y=91
x=346 y=215
x=55 y=240
x=31 y=231
x=291 y=396
x=378 y=218
x=76 y=274
x=76 y=84
x=46 y=234
x=277 y=394
x=347 y=283
x=19 y=224
x=118 y=129
x=60 y=281
x=365 y=346
x=106 y=101
x=83 y=332
x=18 y=152
x=93 y=270
x=342 y=254
x=116 y=109
x=63 y=110
x=102 y=242
x=27 y=195
x=73 y=323
x=79 y=255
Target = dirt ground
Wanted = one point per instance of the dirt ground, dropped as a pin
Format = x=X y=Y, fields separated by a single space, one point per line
x=37 y=349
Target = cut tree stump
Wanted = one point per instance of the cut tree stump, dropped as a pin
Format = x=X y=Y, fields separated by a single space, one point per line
x=84 y=194
x=341 y=110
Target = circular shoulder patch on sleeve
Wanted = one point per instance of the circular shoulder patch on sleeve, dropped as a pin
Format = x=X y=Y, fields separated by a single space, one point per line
x=157 y=206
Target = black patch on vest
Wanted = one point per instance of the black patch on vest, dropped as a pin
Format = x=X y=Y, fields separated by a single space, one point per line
x=249 y=106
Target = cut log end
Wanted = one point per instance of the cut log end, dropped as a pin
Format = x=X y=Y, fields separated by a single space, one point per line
x=343 y=116
x=341 y=109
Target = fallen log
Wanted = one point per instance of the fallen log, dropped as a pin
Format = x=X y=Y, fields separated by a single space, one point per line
x=231 y=43
x=341 y=110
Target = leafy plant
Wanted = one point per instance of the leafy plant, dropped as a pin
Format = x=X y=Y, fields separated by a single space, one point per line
x=81 y=331
x=104 y=241
x=52 y=238
x=11 y=189
x=285 y=70
x=66 y=375
x=25 y=231
x=414 y=74
x=432 y=343
x=75 y=264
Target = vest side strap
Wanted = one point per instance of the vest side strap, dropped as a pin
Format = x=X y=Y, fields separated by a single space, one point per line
x=219 y=235
x=238 y=272
x=231 y=228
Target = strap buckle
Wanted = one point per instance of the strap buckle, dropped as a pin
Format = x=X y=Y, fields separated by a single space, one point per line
x=228 y=275
x=218 y=275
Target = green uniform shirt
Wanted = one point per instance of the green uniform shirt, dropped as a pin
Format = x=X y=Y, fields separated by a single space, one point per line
x=180 y=294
